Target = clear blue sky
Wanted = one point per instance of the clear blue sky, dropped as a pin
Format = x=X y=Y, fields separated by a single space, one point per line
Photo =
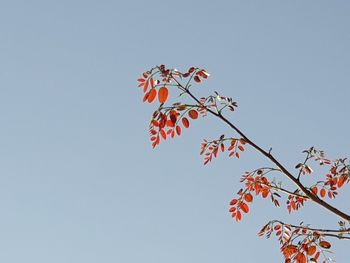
x=79 y=181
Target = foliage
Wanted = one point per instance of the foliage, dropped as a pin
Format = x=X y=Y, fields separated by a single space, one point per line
x=298 y=243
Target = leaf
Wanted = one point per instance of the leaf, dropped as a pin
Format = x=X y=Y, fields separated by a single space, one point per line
x=170 y=123
x=277 y=227
x=203 y=74
x=341 y=181
x=245 y=208
x=314 y=190
x=193 y=114
x=185 y=122
x=197 y=79
x=145 y=87
x=248 y=197
x=241 y=148
x=151 y=95
x=222 y=147
x=163 y=94
x=323 y=192
x=300 y=258
x=163 y=134
x=145 y=97
x=238 y=216
x=311 y=250
x=233 y=202
x=151 y=80
x=325 y=244
x=178 y=130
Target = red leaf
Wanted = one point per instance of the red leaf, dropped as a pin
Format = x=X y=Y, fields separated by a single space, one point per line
x=240 y=147
x=238 y=216
x=141 y=80
x=178 y=130
x=233 y=202
x=222 y=147
x=311 y=250
x=314 y=190
x=248 y=197
x=300 y=258
x=151 y=80
x=145 y=97
x=265 y=193
x=185 y=122
x=162 y=132
x=323 y=192
x=245 y=207
x=163 y=94
x=191 y=69
x=151 y=95
x=277 y=227
x=325 y=244
x=197 y=79
x=145 y=87
x=193 y=114
x=203 y=74
x=341 y=181
x=170 y=123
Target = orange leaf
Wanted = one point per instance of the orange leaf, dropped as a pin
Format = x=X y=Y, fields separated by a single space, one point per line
x=248 y=197
x=311 y=250
x=325 y=244
x=193 y=114
x=178 y=130
x=238 y=216
x=203 y=74
x=163 y=94
x=240 y=147
x=277 y=227
x=170 y=123
x=233 y=202
x=314 y=190
x=151 y=80
x=222 y=147
x=162 y=132
x=341 y=181
x=265 y=193
x=145 y=87
x=323 y=192
x=185 y=122
x=245 y=207
x=151 y=95
x=300 y=258
x=145 y=97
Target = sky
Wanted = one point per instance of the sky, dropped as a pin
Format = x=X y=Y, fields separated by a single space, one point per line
x=79 y=180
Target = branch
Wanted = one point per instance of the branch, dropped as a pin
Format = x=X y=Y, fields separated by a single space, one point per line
x=340 y=231
x=268 y=155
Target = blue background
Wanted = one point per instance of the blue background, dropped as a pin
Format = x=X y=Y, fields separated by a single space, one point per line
x=79 y=181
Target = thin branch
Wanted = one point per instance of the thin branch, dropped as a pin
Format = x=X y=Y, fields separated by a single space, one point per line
x=306 y=159
x=286 y=191
x=312 y=196
x=344 y=231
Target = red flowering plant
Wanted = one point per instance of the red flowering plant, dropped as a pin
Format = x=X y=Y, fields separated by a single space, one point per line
x=298 y=243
